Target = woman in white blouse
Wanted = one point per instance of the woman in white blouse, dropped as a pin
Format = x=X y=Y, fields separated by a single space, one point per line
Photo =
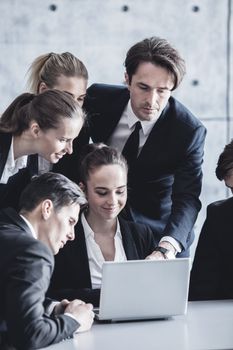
x=101 y=234
x=44 y=125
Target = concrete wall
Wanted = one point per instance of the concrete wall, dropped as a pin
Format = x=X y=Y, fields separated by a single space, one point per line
x=100 y=32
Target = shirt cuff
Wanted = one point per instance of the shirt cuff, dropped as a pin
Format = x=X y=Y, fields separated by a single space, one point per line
x=173 y=241
x=50 y=308
x=70 y=315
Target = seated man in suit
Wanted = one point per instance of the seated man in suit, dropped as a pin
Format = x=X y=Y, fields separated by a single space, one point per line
x=211 y=275
x=49 y=210
x=165 y=150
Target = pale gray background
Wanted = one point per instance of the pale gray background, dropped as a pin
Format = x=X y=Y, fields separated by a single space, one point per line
x=100 y=32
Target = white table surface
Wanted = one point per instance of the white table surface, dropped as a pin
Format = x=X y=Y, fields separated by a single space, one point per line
x=207 y=325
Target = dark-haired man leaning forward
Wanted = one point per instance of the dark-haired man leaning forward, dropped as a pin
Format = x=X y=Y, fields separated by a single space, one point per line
x=165 y=175
x=49 y=210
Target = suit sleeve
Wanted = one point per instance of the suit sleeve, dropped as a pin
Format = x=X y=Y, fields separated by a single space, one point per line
x=206 y=272
x=28 y=279
x=88 y=295
x=186 y=190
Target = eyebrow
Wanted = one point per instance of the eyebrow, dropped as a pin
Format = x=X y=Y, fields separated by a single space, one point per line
x=72 y=95
x=148 y=86
x=65 y=138
x=105 y=188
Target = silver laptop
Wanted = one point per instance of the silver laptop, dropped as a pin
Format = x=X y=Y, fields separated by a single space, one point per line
x=144 y=289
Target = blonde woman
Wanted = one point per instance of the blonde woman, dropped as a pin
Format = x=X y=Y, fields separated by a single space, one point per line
x=64 y=72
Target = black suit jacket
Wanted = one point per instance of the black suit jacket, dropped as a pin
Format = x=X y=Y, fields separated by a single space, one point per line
x=71 y=278
x=165 y=181
x=26 y=265
x=212 y=271
x=10 y=192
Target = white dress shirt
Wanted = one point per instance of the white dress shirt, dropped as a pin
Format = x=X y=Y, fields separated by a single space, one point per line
x=95 y=256
x=12 y=165
x=126 y=126
x=33 y=232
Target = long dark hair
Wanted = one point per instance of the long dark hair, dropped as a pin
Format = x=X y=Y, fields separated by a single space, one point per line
x=47 y=109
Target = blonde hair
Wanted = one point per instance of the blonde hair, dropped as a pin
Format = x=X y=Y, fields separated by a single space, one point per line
x=48 y=67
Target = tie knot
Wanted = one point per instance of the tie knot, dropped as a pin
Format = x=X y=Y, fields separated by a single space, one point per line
x=138 y=126
x=130 y=150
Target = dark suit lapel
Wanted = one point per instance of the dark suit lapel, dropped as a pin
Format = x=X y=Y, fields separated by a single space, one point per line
x=79 y=252
x=128 y=241
x=154 y=136
x=16 y=219
x=117 y=111
x=32 y=164
x=104 y=123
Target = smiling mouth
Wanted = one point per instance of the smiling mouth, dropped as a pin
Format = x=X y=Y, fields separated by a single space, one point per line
x=110 y=209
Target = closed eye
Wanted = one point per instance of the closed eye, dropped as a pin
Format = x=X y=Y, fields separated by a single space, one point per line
x=143 y=87
x=101 y=193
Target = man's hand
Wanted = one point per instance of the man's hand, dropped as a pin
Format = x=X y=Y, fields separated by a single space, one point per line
x=157 y=255
x=60 y=307
x=82 y=312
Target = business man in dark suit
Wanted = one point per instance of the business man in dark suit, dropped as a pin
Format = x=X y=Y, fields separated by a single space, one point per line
x=165 y=175
x=49 y=209
x=211 y=275
x=72 y=262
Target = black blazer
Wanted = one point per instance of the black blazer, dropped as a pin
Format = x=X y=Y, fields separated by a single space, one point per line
x=10 y=192
x=165 y=182
x=71 y=278
x=26 y=265
x=212 y=271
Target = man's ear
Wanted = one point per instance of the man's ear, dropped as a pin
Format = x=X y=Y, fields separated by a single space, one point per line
x=47 y=209
x=42 y=87
x=127 y=80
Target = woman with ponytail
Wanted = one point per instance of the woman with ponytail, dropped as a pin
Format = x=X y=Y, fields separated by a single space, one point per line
x=36 y=131
x=63 y=72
